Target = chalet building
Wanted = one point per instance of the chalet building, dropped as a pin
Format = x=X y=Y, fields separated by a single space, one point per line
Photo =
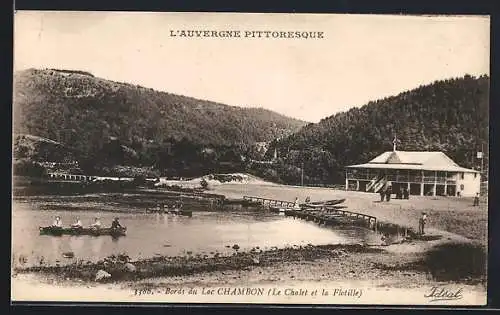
x=422 y=173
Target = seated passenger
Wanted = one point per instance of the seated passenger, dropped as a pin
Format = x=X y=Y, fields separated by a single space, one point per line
x=57 y=222
x=96 y=224
x=115 y=224
x=77 y=224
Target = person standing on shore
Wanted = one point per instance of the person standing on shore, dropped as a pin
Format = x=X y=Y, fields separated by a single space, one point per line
x=388 y=193
x=406 y=193
x=382 y=195
x=476 y=200
x=421 y=223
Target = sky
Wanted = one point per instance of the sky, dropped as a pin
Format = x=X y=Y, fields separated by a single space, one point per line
x=359 y=58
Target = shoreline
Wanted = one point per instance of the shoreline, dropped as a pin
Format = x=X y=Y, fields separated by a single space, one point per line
x=410 y=255
x=398 y=269
x=408 y=267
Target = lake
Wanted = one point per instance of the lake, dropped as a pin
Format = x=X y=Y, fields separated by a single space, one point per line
x=206 y=232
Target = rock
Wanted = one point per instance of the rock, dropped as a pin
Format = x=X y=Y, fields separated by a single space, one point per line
x=236 y=247
x=101 y=275
x=130 y=267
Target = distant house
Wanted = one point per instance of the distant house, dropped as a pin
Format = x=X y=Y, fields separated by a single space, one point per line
x=422 y=173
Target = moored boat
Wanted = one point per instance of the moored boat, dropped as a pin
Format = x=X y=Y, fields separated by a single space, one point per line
x=325 y=203
x=58 y=231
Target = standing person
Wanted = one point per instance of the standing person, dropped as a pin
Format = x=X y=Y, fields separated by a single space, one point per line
x=388 y=193
x=296 y=205
x=406 y=193
x=476 y=200
x=57 y=222
x=399 y=194
x=382 y=195
x=421 y=223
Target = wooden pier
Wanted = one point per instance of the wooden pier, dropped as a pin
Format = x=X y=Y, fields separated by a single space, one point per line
x=332 y=213
x=270 y=202
x=332 y=217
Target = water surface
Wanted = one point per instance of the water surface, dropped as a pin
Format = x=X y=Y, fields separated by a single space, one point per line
x=161 y=234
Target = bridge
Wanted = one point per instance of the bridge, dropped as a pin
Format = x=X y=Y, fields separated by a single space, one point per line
x=72 y=178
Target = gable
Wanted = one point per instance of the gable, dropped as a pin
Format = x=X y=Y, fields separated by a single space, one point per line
x=393 y=159
x=414 y=157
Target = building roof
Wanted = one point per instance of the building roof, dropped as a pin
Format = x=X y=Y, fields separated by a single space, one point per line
x=414 y=160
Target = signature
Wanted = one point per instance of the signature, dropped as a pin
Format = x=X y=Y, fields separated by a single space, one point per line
x=444 y=294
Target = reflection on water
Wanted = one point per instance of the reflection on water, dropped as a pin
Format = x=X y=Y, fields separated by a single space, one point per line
x=163 y=234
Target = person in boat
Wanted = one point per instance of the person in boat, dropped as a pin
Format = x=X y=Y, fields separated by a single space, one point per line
x=116 y=224
x=296 y=205
x=97 y=224
x=177 y=207
x=57 y=222
x=308 y=199
x=77 y=224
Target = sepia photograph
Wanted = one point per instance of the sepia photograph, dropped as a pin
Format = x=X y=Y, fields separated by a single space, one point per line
x=257 y=158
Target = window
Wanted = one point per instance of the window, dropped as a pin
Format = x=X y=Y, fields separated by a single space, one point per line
x=475 y=175
x=462 y=186
x=462 y=175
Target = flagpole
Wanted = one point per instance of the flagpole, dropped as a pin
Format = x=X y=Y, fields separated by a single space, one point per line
x=302 y=175
x=482 y=158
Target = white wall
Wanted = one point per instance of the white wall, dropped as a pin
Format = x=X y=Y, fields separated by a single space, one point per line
x=471 y=184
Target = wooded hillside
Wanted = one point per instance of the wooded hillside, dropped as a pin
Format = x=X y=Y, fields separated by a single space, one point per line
x=74 y=107
x=449 y=116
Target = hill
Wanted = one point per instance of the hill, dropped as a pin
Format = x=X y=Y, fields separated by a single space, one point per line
x=78 y=109
x=448 y=115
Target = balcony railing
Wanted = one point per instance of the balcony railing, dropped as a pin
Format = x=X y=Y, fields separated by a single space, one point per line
x=403 y=178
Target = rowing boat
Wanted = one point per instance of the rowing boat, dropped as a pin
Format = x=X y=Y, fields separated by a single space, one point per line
x=57 y=231
x=326 y=202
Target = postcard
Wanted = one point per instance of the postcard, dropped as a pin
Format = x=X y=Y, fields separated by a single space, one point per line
x=250 y=158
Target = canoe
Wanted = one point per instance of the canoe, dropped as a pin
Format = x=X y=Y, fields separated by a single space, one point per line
x=326 y=202
x=55 y=231
x=320 y=204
